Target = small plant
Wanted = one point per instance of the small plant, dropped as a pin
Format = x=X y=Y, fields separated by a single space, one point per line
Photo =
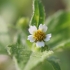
x=30 y=51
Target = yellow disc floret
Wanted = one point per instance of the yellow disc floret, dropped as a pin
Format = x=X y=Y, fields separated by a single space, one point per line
x=39 y=35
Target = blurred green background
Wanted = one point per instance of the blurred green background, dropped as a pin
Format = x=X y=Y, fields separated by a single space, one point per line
x=15 y=16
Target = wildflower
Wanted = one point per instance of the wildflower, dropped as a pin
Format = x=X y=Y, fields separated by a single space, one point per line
x=39 y=35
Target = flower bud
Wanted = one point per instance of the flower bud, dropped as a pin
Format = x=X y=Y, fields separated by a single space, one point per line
x=22 y=23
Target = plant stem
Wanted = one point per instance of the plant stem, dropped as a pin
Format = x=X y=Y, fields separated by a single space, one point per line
x=16 y=64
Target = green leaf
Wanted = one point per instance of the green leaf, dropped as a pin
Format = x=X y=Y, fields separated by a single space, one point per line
x=20 y=52
x=42 y=13
x=59 y=26
x=35 y=18
x=48 y=64
x=36 y=58
x=38 y=13
x=55 y=65
x=43 y=66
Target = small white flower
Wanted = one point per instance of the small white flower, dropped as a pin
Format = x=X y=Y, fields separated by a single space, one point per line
x=39 y=35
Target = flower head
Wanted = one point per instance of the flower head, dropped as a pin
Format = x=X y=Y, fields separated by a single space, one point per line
x=39 y=35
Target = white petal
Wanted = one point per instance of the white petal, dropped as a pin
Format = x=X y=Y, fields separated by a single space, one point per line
x=30 y=37
x=40 y=44
x=32 y=29
x=43 y=27
x=48 y=36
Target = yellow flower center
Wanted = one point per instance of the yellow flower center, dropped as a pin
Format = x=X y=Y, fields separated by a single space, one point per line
x=39 y=35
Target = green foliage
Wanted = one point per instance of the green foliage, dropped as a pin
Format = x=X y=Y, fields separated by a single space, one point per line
x=38 y=13
x=47 y=64
x=20 y=52
x=59 y=27
x=55 y=65
x=36 y=58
